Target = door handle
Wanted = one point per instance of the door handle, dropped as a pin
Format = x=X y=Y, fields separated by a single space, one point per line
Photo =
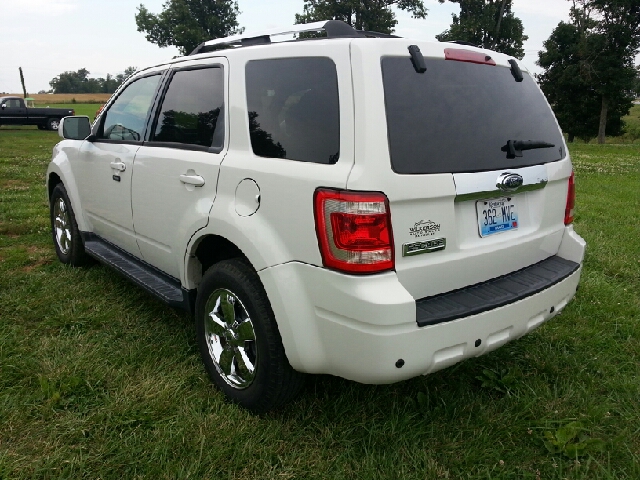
x=195 y=180
x=119 y=166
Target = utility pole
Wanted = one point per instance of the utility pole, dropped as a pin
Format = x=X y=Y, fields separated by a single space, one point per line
x=24 y=90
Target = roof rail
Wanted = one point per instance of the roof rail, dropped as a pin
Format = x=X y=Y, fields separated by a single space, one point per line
x=334 y=29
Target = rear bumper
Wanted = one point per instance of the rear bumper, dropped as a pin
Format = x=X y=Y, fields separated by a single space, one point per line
x=360 y=327
x=494 y=293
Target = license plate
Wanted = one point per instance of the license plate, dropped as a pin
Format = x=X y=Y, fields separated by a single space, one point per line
x=496 y=215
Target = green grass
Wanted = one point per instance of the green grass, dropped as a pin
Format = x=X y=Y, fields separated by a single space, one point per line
x=634 y=116
x=100 y=380
x=88 y=109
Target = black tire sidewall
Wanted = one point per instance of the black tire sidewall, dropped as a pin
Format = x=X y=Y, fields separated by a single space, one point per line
x=238 y=278
x=76 y=255
x=50 y=121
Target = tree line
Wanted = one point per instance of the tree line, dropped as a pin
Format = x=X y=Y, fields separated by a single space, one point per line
x=588 y=67
x=79 y=82
x=589 y=74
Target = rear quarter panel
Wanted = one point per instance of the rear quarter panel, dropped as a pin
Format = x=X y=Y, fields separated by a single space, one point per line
x=283 y=228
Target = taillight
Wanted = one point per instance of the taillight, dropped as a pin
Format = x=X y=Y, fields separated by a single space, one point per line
x=73 y=112
x=462 y=55
x=571 y=201
x=354 y=230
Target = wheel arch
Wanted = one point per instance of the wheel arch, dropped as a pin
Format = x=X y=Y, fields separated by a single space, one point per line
x=53 y=180
x=59 y=171
x=205 y=251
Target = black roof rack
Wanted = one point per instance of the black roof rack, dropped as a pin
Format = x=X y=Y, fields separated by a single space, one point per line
x=333 y=28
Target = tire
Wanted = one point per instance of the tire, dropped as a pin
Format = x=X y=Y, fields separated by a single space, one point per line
x=53 y=124
x=239 y=339
x=64 y=229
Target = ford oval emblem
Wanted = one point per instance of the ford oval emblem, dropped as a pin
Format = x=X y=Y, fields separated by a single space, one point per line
x=509 y=182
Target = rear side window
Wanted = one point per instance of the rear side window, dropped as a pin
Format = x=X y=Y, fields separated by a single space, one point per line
x=192 y=109
x=127 y=116
x=293 y=108
x=457 y=116
x=13 y=103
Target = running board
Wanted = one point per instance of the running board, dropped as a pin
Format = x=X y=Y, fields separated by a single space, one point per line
x=166 y=288
x=493 y=293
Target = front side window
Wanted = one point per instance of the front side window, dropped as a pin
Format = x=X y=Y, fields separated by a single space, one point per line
x=13 y=103
x=293 y=108
x=192 y=110
x=127 y=116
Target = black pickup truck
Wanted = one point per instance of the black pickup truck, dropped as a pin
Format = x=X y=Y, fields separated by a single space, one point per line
x=14 y=112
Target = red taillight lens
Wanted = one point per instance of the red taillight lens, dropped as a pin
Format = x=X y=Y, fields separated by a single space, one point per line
x=354 y=230
x=571 y=201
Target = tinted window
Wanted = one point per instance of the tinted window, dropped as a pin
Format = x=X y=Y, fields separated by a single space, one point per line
x=457 y=116
x=13 y=103
x=127 y=116
x=293 y=109
x=192 y=110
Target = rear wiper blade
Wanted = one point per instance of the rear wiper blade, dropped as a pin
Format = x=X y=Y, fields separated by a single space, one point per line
x=514 y=148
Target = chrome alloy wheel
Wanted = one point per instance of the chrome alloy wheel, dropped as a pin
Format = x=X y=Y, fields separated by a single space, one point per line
x=62 y=226
x=55 y=124
x=230 y=338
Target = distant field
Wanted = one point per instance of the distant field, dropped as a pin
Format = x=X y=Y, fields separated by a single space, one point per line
x=634 y=116
x=98 y=379
x=51 y=98
x=88 y=109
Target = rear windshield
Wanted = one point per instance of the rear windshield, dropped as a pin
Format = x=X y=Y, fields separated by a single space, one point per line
x=457 y=116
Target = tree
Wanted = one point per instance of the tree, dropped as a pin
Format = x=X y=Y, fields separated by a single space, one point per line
x=489 y=24
x=567 y=84
x=79 y=82
x=617 y=34
x=588 y=69
x=370 y=15
x=71 y=82
x=188 y=23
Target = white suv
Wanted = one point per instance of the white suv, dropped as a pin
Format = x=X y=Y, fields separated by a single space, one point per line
x=357 y=205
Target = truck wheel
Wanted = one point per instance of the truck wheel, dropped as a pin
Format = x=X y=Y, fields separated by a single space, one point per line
x=64 y=229
x=239 y=339
x=53 y=123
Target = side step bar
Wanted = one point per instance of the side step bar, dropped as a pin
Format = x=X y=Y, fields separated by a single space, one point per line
x=494 y=293
x=166 y=288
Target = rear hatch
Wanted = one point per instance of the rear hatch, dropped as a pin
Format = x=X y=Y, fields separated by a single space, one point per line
x=470 y=156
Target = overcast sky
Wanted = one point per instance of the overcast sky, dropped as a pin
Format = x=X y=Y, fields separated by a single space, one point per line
x=47 y=37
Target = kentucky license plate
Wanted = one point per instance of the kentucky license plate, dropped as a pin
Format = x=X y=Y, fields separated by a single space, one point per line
x=496 y=215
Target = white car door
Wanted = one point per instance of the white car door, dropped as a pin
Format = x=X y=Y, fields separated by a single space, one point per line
x=176 y=170
x=103 y=166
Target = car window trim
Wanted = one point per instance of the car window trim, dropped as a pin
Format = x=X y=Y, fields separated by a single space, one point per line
x=155 y=114
x=184 y=146
x=98 y=127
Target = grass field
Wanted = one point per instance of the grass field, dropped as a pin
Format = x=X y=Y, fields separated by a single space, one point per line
x=100 y=380
x=634 y=115
x=51 y=98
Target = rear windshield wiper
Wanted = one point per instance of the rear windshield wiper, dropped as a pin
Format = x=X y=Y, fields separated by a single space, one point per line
x=514 y=148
